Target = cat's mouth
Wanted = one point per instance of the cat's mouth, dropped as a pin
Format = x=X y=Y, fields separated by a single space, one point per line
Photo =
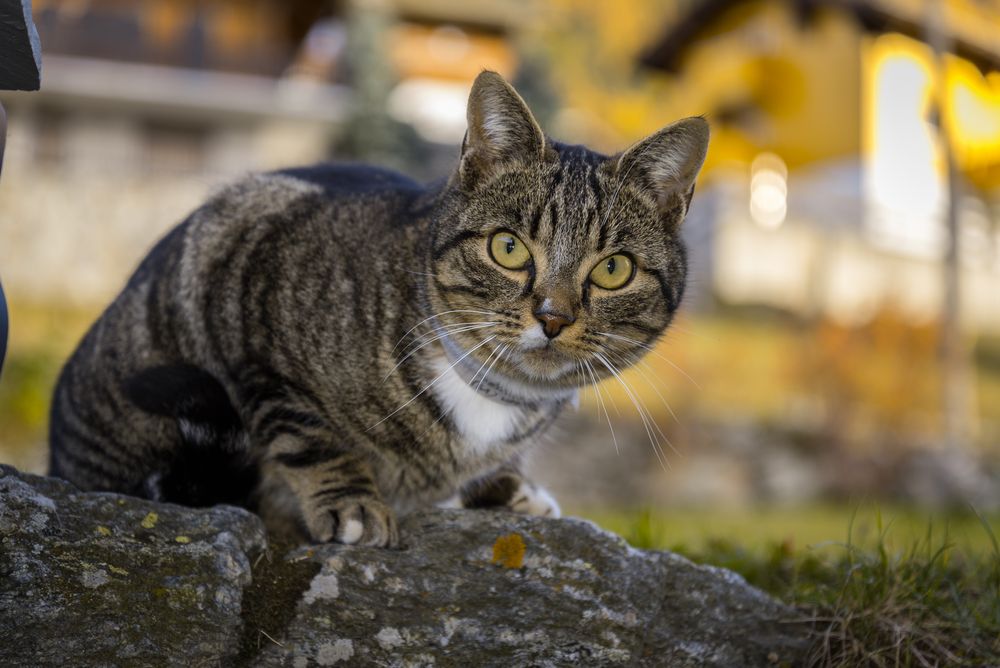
x=547 y=351
x=545 y=361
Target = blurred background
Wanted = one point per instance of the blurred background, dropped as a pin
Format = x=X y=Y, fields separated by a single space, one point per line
x=840 y=339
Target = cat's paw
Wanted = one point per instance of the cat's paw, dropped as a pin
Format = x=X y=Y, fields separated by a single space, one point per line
x=354 y=521
x=533 y=500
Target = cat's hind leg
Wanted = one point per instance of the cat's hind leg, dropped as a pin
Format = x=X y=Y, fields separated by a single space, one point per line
x=209 y=462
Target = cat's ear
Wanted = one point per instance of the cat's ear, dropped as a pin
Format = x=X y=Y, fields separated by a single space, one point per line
x=666 y=163
x=501 y=129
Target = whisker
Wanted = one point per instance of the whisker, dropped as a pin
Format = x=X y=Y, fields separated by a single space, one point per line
x=444 y=414
x=445 y=330
x=650 y=383
x=657 y=390
x=438 y=315
x=655 y=424
x=581 y=374
x=505 y=347
x=642 y=416
x=414 y=351
x=654 y=351
x=436 y=379
x=600 y=399
x=596 y=380
x=611 y=397
x=483 y=366
x=674 y=327
x=646 y=420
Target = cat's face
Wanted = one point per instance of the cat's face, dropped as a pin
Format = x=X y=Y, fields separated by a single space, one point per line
x=559 y=263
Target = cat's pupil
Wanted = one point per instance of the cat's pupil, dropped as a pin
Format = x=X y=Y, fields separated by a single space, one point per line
x=510 y=246
x=611 y=265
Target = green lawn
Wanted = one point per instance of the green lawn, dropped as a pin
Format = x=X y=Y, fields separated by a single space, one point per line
x=816 y=528
x=879 y=587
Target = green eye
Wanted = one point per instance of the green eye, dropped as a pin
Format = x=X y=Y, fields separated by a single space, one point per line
x=508 y=251
x=612 y=272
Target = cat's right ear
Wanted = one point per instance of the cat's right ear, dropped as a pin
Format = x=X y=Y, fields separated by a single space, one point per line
x=666 y=164
x=501 y=129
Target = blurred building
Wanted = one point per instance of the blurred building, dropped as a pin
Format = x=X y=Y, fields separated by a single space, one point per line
x=147 y=106
x=828 y=191
x=143 y=108
x=436 y=48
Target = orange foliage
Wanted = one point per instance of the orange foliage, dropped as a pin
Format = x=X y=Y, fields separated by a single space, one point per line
x=881 y=374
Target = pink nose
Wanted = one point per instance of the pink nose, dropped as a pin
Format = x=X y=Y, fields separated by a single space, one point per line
x=553 y=323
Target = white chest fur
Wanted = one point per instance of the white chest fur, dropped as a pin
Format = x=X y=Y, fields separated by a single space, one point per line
x=482 y=422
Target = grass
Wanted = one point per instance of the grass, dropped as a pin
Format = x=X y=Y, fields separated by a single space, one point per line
x=41 y=338
x=899 y=589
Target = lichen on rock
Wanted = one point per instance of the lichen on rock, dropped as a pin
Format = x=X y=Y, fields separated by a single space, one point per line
x=508 y=551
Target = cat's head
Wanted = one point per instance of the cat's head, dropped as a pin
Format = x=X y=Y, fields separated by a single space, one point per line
x=554 y=258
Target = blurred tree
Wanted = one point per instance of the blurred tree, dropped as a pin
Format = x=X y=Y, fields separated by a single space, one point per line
x=593 y=46
x=370 y=133
x=534 y=82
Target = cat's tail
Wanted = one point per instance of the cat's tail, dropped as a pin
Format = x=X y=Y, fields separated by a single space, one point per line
x=212 y=463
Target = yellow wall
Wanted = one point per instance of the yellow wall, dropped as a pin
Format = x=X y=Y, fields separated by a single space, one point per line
x=797 y=89
x=804 y=84
x=800 y=85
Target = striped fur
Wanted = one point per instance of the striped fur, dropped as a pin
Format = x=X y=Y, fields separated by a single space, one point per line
x=335 y=344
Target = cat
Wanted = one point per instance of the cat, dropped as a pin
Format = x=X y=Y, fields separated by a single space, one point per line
x=337 y=344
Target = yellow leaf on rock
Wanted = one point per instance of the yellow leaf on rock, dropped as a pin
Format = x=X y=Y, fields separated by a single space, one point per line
x=149 y=521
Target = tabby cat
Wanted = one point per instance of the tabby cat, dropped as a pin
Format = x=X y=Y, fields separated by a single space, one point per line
x=337 y=344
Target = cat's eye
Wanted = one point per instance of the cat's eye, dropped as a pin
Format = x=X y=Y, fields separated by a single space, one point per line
x=612 y=272
x=508 y=251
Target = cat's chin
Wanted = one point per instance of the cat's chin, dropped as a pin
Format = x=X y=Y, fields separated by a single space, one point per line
x=546 y=364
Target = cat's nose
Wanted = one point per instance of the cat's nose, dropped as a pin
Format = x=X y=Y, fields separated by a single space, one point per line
x=553 y=323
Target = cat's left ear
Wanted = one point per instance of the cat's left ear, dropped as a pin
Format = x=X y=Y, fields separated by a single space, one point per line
x=501 y=129
x=666 y=164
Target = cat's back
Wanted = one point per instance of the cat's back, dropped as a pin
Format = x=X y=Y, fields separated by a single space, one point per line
x=344 y=192
x=296 y=217
x=282 y=241
x=286 y=230
x=347 y=181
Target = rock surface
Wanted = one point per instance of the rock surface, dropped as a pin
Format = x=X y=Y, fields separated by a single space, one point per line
x=92 y=579
x=101 y=579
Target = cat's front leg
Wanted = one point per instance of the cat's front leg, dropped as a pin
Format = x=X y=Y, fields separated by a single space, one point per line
x=508 y=489
x=335 y=492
